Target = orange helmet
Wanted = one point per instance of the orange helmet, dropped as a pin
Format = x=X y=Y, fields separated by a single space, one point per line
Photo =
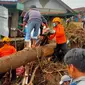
x=56 y=19
x=6 y=39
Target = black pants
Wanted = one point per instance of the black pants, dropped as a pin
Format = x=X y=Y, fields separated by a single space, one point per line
x=60 y=51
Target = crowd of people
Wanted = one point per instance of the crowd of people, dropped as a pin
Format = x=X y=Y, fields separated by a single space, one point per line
x=74 y=58
x=76 y=19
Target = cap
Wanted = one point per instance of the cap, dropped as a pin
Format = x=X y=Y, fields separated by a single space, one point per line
x=64 y=79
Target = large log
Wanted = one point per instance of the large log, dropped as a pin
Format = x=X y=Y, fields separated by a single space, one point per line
x=24 y=56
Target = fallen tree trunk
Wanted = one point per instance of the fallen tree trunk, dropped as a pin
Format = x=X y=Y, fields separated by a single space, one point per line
x=23 y=57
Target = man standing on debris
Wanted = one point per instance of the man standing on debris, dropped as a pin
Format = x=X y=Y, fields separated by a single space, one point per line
x=33 y=20
x=60 y=39
x=7 y=50
x=75 y=61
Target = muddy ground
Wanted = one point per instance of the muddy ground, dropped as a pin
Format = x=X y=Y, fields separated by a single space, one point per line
x=48 y=73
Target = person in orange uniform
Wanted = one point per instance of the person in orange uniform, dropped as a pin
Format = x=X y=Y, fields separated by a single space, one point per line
x=5 y=51
x=60 y=39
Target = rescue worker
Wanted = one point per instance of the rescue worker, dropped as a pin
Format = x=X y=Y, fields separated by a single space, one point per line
x=60 y=39
x=5 y=51
x=75 y=63
x=33 y=20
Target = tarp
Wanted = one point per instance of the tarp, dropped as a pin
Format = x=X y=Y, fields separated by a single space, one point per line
x=4 y=21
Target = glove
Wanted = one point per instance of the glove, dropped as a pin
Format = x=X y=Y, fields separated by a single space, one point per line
x=52 y=31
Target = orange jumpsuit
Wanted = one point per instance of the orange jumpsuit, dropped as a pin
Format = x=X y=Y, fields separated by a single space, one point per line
x=59 y=34
x=7 y=50
x=61 y=47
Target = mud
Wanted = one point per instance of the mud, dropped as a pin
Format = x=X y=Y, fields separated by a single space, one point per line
x=76 y=35
x=50 y=73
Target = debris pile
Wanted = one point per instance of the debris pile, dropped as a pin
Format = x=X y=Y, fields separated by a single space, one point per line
x=50 y=74
x=45 y=73
x=76 y=34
